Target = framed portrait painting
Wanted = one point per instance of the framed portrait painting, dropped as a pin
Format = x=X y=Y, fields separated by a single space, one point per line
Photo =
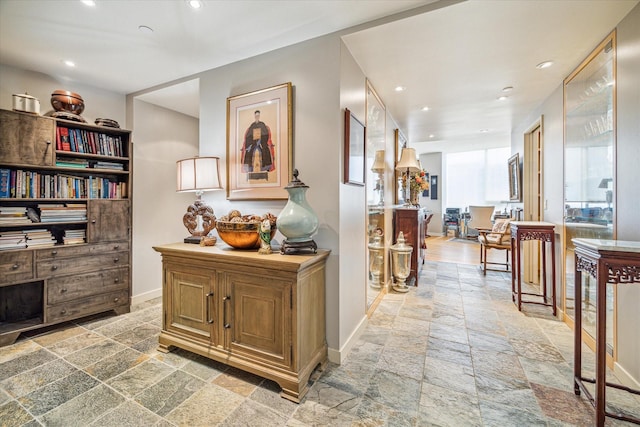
x=259 y=144
x=354 y=149
x=515 y=194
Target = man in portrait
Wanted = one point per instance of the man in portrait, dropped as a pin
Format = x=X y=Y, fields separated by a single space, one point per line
x=258 y=150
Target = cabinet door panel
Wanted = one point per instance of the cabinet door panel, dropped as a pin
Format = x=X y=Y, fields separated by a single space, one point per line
x=261 y=317
x=109 y=220
x=190 y=307
x=26 y=139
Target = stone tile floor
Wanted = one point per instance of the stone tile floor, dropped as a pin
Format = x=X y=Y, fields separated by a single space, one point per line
x=452 y=352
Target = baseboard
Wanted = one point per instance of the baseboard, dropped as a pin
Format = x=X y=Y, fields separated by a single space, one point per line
x=625 y=377
x=337 y=356
x=137 y=299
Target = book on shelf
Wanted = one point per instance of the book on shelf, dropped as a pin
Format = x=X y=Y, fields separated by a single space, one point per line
x=63 y=139
x=5 y=178
x=83 y=141
x=73 y=237
x=73 y=163
x=39 y=238
x=12 y=240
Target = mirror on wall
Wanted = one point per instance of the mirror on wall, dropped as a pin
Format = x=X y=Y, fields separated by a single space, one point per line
x=377 y=262
x=589 y=177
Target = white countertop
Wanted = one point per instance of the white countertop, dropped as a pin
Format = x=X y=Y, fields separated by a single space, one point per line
x=608 y=245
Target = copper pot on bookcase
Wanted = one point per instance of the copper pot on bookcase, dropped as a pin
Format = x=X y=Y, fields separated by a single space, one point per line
x=70 y=102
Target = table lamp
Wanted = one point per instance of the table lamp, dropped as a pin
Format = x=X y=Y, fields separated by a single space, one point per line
x=409 y=162
x=198 y=174
x=378 y=168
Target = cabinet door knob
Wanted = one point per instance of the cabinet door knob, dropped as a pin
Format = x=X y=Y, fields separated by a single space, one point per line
x=93 y=221
x=54 y=253
x=15 y=266
x=63 y=290
x=116 y=280
x=116 y=247
x=63 y=311
x=116 y=259
x=54 y=267
x=116 y=299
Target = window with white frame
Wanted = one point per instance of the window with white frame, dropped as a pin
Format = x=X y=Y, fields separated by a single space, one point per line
x=477 y=178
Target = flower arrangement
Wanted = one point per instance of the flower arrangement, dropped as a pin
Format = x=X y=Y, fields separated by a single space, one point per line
x=418 y=181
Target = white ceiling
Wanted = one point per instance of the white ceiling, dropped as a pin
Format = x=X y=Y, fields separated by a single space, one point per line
x=455 y=59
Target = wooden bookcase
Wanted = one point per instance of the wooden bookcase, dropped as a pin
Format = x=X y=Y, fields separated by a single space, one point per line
x=66 y=209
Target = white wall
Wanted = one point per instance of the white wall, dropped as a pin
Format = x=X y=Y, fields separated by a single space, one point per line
x=98 y=103
x=161 y=137
x=313 y=67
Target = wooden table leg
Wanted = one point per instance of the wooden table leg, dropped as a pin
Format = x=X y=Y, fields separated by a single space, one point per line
x=577 y=330
x=601 y=347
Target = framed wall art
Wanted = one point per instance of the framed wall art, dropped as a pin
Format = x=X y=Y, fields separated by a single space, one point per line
x=399 y=142
x=259 y=144
x=354 y=149
x=514 y=178
x=433 y=186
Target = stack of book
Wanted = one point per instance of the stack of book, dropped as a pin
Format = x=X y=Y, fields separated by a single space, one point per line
x=72 y=163
x=108 y=165
x=73 y=237
x=69 y=212
x=12 y=240
x=14 y=215
x=39 y=238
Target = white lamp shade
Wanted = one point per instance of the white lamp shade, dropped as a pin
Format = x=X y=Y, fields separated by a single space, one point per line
x=378 y=162
x=198 y=174
x=408 y=160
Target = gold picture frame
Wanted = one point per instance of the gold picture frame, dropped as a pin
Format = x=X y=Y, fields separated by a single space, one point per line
x=515 y=193
x=259 y=144
x=399 y=142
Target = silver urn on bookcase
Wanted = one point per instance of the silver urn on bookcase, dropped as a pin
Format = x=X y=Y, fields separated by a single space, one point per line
x=297 y=221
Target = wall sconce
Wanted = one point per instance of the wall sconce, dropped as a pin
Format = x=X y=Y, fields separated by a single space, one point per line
x=378 y=168
x=198 y=174
x=401 y=263
x=409 y=162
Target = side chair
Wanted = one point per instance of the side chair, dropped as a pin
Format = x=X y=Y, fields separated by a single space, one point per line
x=498 y=237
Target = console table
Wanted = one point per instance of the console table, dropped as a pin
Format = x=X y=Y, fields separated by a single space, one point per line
x=264 y=314
x=608 y=261
x=533 y=230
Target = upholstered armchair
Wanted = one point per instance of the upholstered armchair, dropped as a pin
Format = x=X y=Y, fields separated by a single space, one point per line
x=479 y=218
x=498 y=237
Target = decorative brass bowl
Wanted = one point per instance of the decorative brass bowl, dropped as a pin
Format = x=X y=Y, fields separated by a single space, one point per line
x=241 y=235
x=70 y=102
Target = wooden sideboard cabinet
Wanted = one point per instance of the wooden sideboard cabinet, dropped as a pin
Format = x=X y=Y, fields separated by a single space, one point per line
x=68 y=181
x=264 y=314
x=411 y=221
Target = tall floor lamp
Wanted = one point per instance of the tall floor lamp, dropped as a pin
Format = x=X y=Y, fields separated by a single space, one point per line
x=409 y=163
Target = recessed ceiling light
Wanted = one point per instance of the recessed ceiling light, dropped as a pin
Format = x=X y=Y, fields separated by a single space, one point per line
x=195 y=4
x=502 y=98
x=399 y=88
x=89 y=2
x=425 y=108
x=484 y=130
x=545 y=64
x=145 y=29
x=432 y=136
x=507 y=88
x=68 y=63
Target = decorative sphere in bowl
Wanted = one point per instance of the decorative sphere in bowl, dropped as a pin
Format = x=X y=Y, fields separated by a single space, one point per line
x=241 y=235
x=70 y=102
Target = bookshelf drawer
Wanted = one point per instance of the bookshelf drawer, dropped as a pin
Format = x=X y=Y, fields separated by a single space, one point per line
x=16 y=266
x=86 y=306
x=61 y=289
x=80 y=250
x=81 y=264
